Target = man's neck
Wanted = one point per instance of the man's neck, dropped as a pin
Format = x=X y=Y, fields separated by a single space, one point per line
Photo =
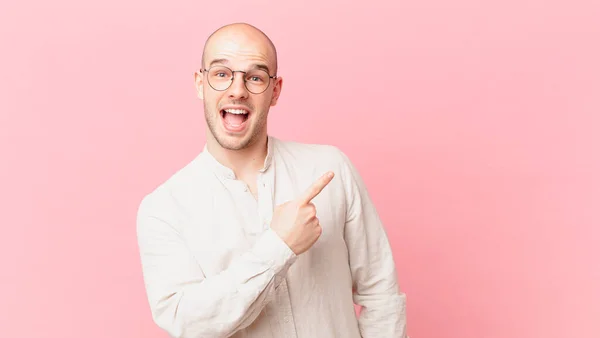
x=243 y=162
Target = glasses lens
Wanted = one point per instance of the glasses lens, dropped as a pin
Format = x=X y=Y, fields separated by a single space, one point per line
x=257 y=81
x=220 y=77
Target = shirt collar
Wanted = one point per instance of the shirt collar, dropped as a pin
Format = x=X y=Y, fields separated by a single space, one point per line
x=223 y=171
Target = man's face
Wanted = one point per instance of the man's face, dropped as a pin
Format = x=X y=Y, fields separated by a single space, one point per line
x=236 y=117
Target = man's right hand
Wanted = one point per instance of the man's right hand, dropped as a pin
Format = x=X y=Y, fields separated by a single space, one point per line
x=296 y=221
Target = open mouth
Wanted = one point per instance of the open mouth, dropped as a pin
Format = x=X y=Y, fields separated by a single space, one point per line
x=234 y=118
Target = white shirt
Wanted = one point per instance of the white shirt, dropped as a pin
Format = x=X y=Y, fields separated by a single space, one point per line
x=213 y=267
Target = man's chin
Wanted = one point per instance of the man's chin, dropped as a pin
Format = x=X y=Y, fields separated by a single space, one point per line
x=233 y=142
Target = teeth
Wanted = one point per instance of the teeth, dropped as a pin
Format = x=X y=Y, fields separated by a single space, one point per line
x=236 y=111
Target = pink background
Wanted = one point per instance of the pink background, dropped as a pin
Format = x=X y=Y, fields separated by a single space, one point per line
x=474 y=123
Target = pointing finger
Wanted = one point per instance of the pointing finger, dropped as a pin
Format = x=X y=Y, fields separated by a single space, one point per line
x=316 y=188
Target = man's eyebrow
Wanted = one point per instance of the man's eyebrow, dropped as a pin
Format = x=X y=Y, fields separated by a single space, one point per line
x=218 y=61
x=260 y=66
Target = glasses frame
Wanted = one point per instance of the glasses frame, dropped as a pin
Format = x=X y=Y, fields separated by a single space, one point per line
x=204 y=70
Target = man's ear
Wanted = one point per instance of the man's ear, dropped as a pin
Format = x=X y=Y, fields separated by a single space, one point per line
x=199 y=80
x=278 y=83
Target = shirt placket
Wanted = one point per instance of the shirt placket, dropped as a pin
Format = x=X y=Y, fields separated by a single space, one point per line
x=280 y=313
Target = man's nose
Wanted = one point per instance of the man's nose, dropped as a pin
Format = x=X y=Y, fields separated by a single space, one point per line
x=238 y=86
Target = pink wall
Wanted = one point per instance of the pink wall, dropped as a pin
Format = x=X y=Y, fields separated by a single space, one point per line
x=474 y=123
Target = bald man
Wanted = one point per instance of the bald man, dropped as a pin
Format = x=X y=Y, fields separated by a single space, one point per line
x=257 y=237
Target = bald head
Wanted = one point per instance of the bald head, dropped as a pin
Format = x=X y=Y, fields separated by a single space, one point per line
x=250 y=38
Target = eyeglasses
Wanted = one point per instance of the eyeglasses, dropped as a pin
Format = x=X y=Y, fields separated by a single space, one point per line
x=220 y=78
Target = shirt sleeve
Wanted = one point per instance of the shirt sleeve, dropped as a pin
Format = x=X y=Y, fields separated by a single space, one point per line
x=374 y=275
x=186 y=303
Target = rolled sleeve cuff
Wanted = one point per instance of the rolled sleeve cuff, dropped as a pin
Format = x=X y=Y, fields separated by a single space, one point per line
x=272 y=249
